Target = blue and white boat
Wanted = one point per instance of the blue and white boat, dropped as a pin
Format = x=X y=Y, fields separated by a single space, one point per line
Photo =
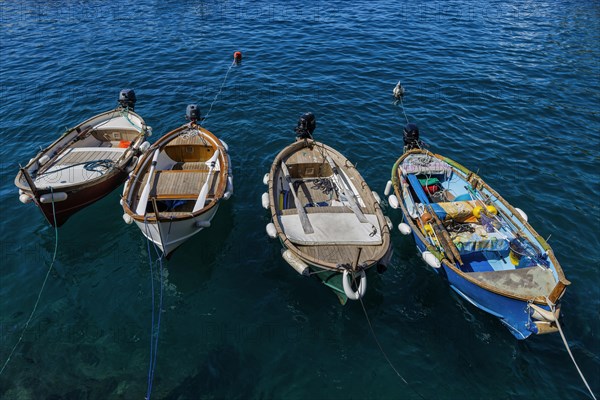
x=482 y=245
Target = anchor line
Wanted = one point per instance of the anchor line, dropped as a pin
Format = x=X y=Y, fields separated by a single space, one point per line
x=218 y=93
x=403 y=110
x=41 y=289
x=564 y=339
x=155 y=329
x=381 y=348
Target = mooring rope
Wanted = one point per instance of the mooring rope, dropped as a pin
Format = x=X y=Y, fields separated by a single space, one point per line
x=564 y=339
x=41 y=289
x=155 y=329
x=381 y=348
x=402 y=104
x=218 y=93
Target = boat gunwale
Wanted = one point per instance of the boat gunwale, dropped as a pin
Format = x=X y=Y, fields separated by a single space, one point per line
x=287 y=152
x=145 y=162
x=21 y=182
x=561 y=283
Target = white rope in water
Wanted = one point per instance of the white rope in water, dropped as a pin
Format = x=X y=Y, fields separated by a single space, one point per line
x=381 y=348
x=154 y=333
x=402 y=104
x=41 y=289
x=562 y=335
x=218 y=93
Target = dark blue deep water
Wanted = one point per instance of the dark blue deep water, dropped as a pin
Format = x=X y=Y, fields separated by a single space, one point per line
x=508 y=88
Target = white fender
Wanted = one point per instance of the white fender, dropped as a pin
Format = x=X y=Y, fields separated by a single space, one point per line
x=393 y=201
x=300 y=266
x=266 y=179
x=44 y=159
x=377 y=198
x=388 y=221
x=404 y=228
x=388 y=188
x=362 y=286
x=225 y=145
x=271 y=231
x=229 y=189
x=202 y=224
x=24 y=198
x=265 y=201
x=144 y=147
x=53 y=197
x=127 y=218
x=522 y=214
x=431 y=260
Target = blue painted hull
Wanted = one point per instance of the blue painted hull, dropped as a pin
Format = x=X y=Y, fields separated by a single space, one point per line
x=514 y=314
x=480 y=258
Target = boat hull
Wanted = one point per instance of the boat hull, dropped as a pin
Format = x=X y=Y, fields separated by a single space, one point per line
x=72 y=172
x=169 y=235
x=515 y=314
x=61 y=211
x=327 y=219
x=479 y=264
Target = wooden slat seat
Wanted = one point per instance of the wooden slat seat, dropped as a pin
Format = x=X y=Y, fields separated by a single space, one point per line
x=180 y=184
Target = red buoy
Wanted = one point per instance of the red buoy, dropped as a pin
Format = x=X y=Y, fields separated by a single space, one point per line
x=237 y=56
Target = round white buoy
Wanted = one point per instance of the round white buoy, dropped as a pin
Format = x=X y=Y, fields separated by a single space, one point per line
x=388 y=188
x=300 y=266
x=393 y=201
x=362 y=286
x=24 y=198
x=53 y=197
x=522 y=214
x=388 y=221
x=225 y=145
x=271 y=231
x=266 y=179
x=144 y=147
x=404 y=228
x=127 y=218
x=229 y=189
x=44 y=159
x=265 y=200
x=431 y=260
x=377 y=198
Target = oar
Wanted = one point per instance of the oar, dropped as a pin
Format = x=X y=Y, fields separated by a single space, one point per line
x=349 y=196
x=204 y=191
x=143 y=202
x=301 y=211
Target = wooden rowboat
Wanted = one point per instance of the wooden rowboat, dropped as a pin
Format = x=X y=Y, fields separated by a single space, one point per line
x=485 y=248
x=85 y=164
x=326 y=217
x=175 y=190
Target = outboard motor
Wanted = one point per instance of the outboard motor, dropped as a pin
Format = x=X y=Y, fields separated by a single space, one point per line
x=192 y=113
x=127 y=99
x=411 y=137
x=306 y=126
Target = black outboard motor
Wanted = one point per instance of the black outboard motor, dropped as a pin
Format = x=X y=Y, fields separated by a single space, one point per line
x=127 y=99
x=411 y=137
x=192 y=113
x=306 y=126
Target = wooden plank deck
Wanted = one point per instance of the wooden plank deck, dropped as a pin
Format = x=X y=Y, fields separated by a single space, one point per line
x=180 y=184
x=78 y=157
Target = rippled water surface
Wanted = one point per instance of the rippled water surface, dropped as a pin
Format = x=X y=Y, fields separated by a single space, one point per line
x=507 y=88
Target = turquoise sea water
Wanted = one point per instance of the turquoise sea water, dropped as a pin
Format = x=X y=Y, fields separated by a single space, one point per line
x=507 y=88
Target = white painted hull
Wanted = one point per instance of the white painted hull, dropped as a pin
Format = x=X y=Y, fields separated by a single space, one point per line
x=172 y=234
